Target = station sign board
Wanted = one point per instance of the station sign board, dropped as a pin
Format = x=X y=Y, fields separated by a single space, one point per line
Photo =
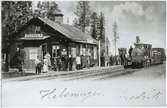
x=33 y=35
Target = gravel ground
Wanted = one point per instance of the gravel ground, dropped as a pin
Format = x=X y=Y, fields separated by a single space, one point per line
x=142 y=87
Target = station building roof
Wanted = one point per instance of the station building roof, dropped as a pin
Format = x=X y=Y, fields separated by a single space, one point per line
x=70 y=31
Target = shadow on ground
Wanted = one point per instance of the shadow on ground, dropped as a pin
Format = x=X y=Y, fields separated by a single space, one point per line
x=116 y=75
x=15 y=75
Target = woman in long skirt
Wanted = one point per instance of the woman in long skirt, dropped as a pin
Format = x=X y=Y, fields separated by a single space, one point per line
x=48 y=57
x=45 y=66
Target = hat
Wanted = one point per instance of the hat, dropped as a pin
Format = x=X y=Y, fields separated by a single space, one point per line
x=45 y=57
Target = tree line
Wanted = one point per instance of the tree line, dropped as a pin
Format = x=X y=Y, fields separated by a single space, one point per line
x=87 y=18
x=15 y=14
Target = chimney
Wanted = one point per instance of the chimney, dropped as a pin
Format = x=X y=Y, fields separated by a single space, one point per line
x=68 y=20
x=58 y=17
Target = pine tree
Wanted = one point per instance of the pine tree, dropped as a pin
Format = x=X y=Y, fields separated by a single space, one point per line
x=97 y=25
x=102 y=33
x=83 y=13
x=94 y=24
x=14 y=15
x=47 y=9
x=101 y=26
x=115 y=35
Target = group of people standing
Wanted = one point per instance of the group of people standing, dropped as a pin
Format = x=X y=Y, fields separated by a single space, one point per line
x=45 y=64
x=66 y=63
x=59 y=63
x=122 y=59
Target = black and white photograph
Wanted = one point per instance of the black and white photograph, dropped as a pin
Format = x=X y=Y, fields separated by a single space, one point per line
x=83 y=53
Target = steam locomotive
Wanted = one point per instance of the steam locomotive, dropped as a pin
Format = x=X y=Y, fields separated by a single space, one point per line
x=143 y=55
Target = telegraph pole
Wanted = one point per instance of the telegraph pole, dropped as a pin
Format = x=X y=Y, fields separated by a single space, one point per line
x=99 y=54
x=116 y=37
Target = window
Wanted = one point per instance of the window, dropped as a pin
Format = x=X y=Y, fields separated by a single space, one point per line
x=56 y=51
x=73 y=52
x=37 y=29
x=84 y=51
x=81 y=50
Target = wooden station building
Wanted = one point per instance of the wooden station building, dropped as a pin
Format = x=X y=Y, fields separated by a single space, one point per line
x=41 y=35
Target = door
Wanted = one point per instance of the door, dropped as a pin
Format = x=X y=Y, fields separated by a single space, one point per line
x=44 y=49
x=31 y=56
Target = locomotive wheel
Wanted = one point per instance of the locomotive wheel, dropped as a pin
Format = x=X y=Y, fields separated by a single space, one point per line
x=137 y=65
x=133 y=65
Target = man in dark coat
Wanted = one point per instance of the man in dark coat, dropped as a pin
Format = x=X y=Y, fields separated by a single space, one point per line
x=70 y=62
x=59 y=63
x=111 y=60
x=66 y=62
x=20 y=56
x=102 y=60
x=130 y=51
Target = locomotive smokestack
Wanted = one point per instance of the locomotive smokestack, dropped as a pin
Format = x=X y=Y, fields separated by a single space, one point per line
x=137 y=39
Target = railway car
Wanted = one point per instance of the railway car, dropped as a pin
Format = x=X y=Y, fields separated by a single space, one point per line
x=157 y=56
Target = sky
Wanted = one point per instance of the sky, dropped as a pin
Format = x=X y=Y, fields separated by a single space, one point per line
x=146 y=19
